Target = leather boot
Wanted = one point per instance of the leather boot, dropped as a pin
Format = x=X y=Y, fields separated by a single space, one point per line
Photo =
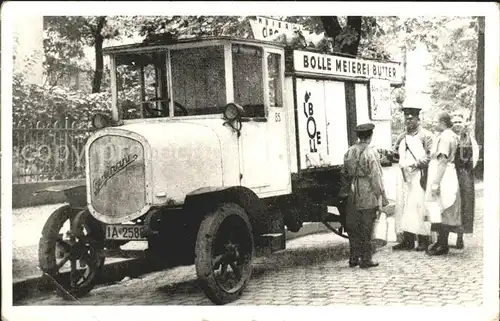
x=439 y=250
x=423 y=242
x=441 y=246
x=353 y=262
x=367 y=264
x=408 y=242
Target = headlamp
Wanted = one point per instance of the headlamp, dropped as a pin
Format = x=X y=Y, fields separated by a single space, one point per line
x=100 y=121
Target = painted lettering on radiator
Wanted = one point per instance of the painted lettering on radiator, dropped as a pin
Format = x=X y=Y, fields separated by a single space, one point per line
x=111 y=171
x=312 y=132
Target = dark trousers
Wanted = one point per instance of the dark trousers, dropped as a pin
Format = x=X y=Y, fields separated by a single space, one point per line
x=359 y=225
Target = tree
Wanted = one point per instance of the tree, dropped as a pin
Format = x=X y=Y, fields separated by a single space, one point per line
x=62 y=58
x=452 y=43
x=350 y=35
x=156 y=27
x=454 y=65
x=71 y=33
x=66 y=36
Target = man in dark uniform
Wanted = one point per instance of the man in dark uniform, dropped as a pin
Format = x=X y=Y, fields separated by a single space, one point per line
x=363 y=189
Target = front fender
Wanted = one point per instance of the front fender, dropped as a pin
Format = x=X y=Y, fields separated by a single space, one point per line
x=205 y=199
x=75 y=194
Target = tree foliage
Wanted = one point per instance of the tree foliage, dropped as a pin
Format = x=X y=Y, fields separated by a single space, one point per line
x=351 y=35
x=451 y=41
x=66 y=37
x=454 y=66
x=33 y=103
x=182 y=27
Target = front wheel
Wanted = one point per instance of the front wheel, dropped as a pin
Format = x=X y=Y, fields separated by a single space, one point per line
x=61 y=254
x=223 y=253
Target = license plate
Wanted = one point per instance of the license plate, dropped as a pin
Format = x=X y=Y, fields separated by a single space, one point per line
x=124 y=232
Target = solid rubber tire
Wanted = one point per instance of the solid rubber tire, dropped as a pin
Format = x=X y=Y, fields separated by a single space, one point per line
x=203 y=253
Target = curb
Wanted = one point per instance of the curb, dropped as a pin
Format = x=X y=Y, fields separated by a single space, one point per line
x=116 y=271
x=307 y=229
x=112 y=272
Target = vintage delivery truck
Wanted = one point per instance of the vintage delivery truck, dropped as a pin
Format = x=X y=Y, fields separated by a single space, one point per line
x=214 y=148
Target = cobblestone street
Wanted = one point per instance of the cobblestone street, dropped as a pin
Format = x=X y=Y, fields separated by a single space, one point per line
x=313 y=271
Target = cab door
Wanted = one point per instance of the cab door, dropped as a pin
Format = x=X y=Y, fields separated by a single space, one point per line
x=258 y=86
x=277 y=123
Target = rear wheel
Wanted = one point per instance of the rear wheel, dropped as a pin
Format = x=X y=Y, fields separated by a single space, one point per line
x=224 y=251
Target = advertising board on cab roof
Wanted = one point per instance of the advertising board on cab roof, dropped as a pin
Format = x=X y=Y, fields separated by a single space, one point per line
x=269 y=29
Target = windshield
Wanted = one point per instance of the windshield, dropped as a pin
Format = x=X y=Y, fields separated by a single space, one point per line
x=141 y=85
x=198 y=79
x=198 y=83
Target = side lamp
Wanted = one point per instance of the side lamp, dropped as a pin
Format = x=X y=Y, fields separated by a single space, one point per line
x=100 y=121
x=233 y=112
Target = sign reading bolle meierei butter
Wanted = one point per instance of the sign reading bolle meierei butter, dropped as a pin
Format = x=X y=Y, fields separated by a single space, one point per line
x=347 y=67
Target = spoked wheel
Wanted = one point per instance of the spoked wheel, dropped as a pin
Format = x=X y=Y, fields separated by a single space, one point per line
x=61 y=253
x=224 y=251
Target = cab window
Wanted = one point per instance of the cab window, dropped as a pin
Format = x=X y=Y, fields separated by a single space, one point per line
x=247 y=79
x=198 y=80
x=274 y=79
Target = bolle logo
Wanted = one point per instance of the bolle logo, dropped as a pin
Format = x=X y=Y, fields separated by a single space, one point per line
x=111 y=171
x=314 y=135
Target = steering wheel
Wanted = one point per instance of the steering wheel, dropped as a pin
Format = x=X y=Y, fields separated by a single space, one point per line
x=163 y=112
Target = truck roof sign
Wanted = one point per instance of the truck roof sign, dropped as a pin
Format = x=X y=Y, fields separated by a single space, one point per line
x=269 y=29
x=317 y=63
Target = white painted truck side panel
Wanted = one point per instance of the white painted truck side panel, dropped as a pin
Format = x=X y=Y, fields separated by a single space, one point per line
x=336 y=117
x=312 y=123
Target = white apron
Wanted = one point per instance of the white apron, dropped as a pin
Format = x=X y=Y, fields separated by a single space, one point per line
x=410 y=209
x=448 y=196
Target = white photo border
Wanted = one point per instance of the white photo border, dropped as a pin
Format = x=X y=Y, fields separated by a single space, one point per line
x=489 y=311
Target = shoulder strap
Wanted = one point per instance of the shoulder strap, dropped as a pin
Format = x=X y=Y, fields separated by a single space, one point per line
x=408 y=149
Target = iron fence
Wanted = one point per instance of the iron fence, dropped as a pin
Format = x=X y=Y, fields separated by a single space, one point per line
x=48 y=151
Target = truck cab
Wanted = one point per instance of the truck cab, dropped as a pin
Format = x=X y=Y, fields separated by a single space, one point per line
x=170 y=102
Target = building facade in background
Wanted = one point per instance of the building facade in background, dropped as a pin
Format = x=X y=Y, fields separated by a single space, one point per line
x=28 y=45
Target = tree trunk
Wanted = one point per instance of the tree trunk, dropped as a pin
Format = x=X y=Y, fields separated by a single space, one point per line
x=331 y=25
x=99 y=60
x=333 y=29
x=354 y=22
x=479 y=128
